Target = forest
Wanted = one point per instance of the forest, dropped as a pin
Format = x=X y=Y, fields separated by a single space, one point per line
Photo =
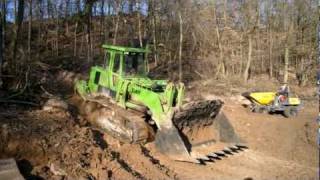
x=221 y=39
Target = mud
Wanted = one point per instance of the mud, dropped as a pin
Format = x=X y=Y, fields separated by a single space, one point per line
x=53 y=145
x=60 y=144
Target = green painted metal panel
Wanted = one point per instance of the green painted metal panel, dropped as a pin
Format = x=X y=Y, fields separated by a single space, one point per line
x=159 y=96
x=124 y=49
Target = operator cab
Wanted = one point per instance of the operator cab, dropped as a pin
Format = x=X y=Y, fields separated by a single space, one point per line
x=126 y=61
x=134 y=64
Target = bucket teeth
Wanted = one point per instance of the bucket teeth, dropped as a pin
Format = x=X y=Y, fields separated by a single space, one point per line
x=220 y=153
x=202 y=162
x=227 y=150
x=213 y=155
x=234 y=148
x=205 y=159
x=241 y=146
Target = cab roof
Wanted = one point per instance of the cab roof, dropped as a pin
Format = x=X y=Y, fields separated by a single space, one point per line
x=124 y=49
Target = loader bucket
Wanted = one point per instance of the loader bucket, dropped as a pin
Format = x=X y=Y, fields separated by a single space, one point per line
x=169 y=142
x=200 y=131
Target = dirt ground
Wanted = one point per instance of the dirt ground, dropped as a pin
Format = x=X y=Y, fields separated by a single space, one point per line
x=279 y=148
x=58 y=144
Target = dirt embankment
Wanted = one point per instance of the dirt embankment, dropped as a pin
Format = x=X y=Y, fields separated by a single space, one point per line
x=59 y=144
x=53 y=145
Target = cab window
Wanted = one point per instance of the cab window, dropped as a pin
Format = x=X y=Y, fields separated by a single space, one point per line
x=116 y=65
x=106 y=58
x=134 y=64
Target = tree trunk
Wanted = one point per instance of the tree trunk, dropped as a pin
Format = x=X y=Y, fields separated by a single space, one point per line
x=78 y=5
x=270 y=55
x=246 y=71
x=81 y=45
x=180 y=45
x=29 y=30
x=225 y=12
x=131 y=33
x=15 y=8
x=92 y=38
x=1 y=39
x=40 y=19
x=221 y=64
x=18 y=22
x=286 y=65
x=154 y=33
x=117 y=23
x=66 y=14
x=101 y=29
x=75 y=39
x=50 y=15
x=319 y=45
x=2 y=33
x=57 y=34
x=139 y=25
x=87 y=18
x=318 y=32
x=2 y=36
x=241 y=55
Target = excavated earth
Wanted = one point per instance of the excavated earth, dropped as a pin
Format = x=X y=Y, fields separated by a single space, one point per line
x=58 y=143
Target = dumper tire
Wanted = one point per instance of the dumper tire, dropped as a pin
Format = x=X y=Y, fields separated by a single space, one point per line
x=258 y=109
x=290 y=111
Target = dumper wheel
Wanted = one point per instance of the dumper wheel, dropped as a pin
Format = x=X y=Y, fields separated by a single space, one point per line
x=290 y=111
x=258 y=109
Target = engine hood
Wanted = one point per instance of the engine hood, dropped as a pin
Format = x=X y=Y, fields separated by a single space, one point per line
x=155 y=85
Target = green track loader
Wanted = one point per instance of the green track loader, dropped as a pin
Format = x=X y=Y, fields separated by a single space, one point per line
x=121 y=99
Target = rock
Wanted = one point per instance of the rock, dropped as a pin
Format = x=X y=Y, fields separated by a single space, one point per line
x=9 y=169
x=67 y=76
x=56 y=170
x=54 y=104
x=55 y=177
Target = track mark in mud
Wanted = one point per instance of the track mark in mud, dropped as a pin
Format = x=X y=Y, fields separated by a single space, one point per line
x=156 y=162
x=248 y=178
x=306 y=131
x=98 y=138
x=126 y=166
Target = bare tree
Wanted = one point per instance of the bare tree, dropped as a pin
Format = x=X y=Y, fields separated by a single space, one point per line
x=180 y=42
x=29 y=30
x=2 y=36
x=76 y=27
x=18 y=22
x=252 y=20
x=139 y=22
x=66 y=15
x=233 y=38
x=87 y=18
x=117 y=7
x=246 y=70
x=154 y=38
x=286 y=64
x=221 y=64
